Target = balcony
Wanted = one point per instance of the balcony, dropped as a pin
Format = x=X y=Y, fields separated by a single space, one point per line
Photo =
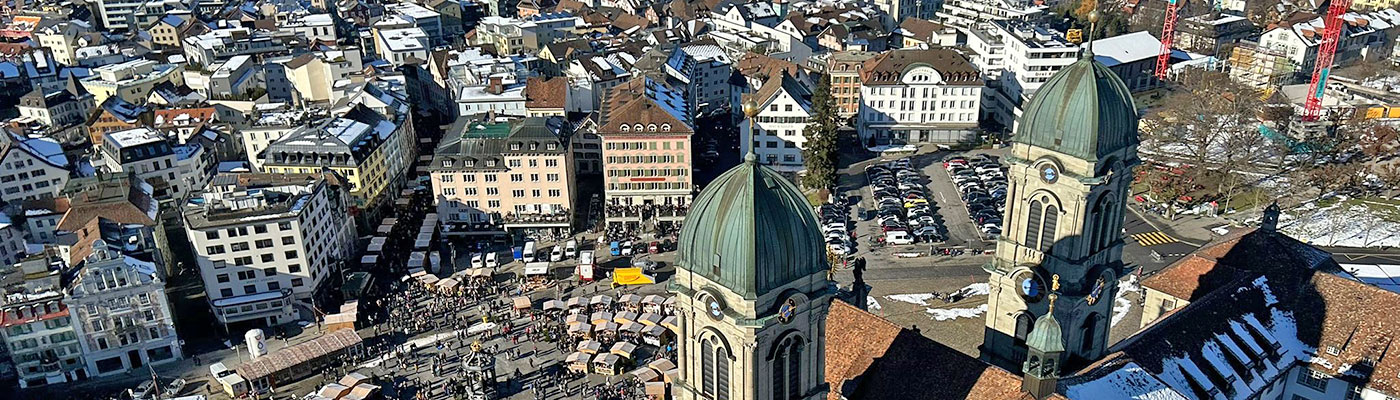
x=647 y=211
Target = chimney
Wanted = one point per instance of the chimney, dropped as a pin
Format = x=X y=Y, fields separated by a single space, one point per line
x=494 y=86
x=1270 y=220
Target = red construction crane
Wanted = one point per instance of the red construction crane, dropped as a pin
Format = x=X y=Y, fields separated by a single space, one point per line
x=1168 y=30
x=1331 y=35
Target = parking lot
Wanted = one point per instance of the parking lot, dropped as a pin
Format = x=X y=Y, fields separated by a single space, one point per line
x=956 y=226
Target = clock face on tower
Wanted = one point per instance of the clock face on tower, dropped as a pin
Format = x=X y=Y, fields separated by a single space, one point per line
x=1049 y=174
x=1030 y=286
x=716 y=310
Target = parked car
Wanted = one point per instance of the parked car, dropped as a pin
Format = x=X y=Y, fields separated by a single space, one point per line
x=556 y=254
x=898 y=237
x=571 y=248
x=478 y=261
x=492 y=261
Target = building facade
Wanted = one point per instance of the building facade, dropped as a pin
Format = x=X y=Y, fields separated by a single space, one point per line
x=266 y=241
x=369 y=151
x=844 y=69
x=122 y=316
x=31 y=168
x=919 y=96
x=647 y=155
x=784 y=109
x=41 y=341
x=508 y=176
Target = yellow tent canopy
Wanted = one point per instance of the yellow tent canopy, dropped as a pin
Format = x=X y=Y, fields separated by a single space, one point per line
x=631 y=276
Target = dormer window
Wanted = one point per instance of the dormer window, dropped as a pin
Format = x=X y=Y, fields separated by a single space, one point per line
x=626 y=128
x=551 y=146
x=515 y=146
x=470 y=163
x=665 y=127
x=491 y=163
x=447 y=163
x=638 y=127
x=651 y=128
x=534 y=146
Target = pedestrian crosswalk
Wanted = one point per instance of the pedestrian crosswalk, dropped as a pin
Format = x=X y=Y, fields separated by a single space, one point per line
x=1146 y=239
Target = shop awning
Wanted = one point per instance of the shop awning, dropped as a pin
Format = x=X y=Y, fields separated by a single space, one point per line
x=650 y=319
x=625 y=317
x=670 y=323
x=553 y=305
x=653 y=299
x=537 y=268
x=623 y=349
x=600 y=300
x=644 y=374
x=630 y=299
x=521 y=302
x=601 y=317
x=589 y=346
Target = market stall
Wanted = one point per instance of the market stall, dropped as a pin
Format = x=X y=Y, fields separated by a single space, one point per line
x=578 y=362
x=607 y=364
x=589 y=346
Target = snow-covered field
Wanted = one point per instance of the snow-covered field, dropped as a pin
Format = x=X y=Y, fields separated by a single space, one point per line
x=1343 y=224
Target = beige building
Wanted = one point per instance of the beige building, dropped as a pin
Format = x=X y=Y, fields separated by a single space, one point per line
x=844 y=69
x=131 y=80
x=518 y=177
x=647 y=155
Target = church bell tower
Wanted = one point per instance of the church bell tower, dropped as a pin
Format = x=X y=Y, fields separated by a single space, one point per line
x=1069 y=170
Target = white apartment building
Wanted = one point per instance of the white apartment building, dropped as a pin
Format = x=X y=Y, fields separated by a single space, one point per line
x=113 y=13
x=969 y=14
x=398 y=46
x=171 y=169
x=703 y=69
x=1030 y=55
x=57 y=108
x=919 y=96
x=405 y=15
x=313 y=27
x=266 y=241
x=31 y=168
x=41 y=341
x=784 y=109
x=1365 y=37
x=123 y=319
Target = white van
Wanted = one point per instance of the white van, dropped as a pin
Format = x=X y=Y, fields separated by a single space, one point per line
x=477 y=261
x=571 y=248
x=492 y=261
x=529 y=253
x=898 y=237
x=232 y=384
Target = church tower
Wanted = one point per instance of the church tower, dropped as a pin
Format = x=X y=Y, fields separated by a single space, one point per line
x=751 y=290
x=1069 y=169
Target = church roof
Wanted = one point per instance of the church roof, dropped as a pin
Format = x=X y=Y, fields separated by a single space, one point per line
x=869 y=358
x=1084 y=110
x=1047 y=336
x=1274 y=306
x=751 y=231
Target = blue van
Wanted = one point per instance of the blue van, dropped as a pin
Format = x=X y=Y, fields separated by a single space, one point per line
x=616 y=248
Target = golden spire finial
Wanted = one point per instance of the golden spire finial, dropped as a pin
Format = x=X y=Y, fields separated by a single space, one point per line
x=1054 y=288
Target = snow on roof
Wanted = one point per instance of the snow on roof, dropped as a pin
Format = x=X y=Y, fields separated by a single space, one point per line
x=406 y=39
x=1124 y=49
x=1385 y=276
x=135 y=137
x=706 y=52
x=45 y=148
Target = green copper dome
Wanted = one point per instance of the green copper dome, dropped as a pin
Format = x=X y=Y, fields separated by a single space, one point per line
x=1084 y=110
x=1046 y=336
x=752 y=231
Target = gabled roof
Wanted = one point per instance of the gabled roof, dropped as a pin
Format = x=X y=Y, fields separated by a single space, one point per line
x=889 y=67
x=644 y=101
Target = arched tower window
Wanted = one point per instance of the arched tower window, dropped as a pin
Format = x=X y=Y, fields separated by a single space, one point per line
x=1033 y=224
x=721 y=374
x=787 y=369
x=1023 y=326
x=1047 y=228
x=1086 y=343
x=707 y=367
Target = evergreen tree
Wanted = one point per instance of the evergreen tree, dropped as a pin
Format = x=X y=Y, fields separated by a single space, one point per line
x=819 y=156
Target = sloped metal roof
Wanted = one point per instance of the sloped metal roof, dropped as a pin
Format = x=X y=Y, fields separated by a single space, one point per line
x=751 y=231
x=1084 y=111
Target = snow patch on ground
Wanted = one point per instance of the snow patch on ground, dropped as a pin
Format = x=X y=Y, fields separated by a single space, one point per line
x=954 y=313
x=1121 y=306
x=916 y=298
x=871 y=304
x=976 y=289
